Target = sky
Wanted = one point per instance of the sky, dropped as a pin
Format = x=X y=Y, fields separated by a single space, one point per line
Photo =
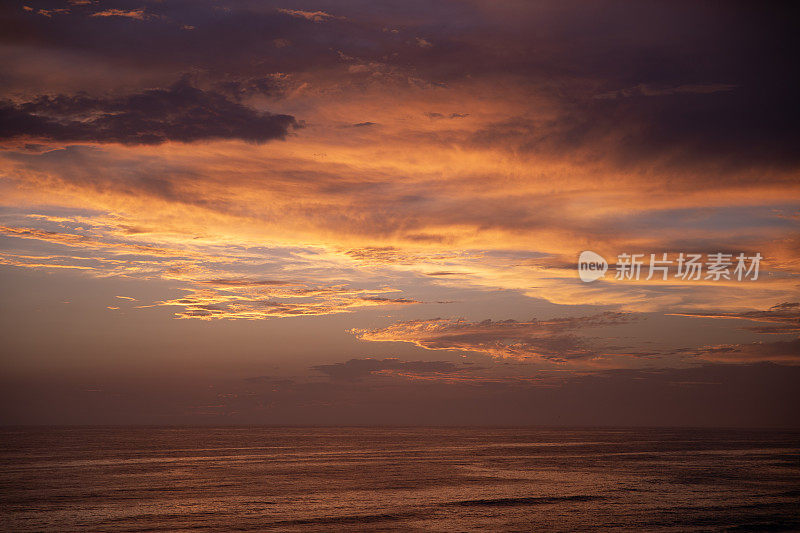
x=353 y=212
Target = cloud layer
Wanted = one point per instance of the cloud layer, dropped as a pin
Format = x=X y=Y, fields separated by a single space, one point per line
x=180 y=113
x=552 y=339
x=276 y=175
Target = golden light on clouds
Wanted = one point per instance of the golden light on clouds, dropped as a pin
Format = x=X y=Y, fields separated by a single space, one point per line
x=390 y=176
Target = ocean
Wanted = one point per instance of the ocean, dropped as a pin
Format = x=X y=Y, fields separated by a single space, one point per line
x=397 y=479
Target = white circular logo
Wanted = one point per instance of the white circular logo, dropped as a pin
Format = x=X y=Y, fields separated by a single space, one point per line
x=591 y=266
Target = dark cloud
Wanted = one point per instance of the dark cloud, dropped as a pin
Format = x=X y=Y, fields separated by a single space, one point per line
x=725 y=129
x=753 y=395
x=682 y=85
x=272 y=86
x=236 y=39
x=355 y=369
x=435 y=116
x=180 y=113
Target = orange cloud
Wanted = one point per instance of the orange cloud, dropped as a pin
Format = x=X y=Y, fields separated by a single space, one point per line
x=137 y=14
x=553 y=340
x=313 y=16
x=470 y=184
x=244 y=302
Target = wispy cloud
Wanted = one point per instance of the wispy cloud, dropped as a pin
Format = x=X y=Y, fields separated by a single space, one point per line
x=244 y=302
x=552 y=340
x=137 y=14
x=778 y=319
x=781 y=352
x=313 y=16
x=355 y=369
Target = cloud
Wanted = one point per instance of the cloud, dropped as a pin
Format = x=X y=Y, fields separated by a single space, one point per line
x=436 y=116
x=778 y=319
x=469 y=167
x=646 y=90
x=239 y=283
x=625 y=94
x=356 y=369
x=371 y=216
x=48 y=12
x=781 y=352
x=551 y=340
x=254 y=302
x=313 y=16
x=546 y=165
x=275 y=85
x=137 y=14
x=88 y=242
x=717 y=395
x=216 y=281
x=180 y=113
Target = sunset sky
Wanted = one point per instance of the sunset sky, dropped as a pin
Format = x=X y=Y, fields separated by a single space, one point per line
x=360 y=212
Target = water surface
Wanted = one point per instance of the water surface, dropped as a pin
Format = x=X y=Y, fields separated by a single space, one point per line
x=383 y=479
